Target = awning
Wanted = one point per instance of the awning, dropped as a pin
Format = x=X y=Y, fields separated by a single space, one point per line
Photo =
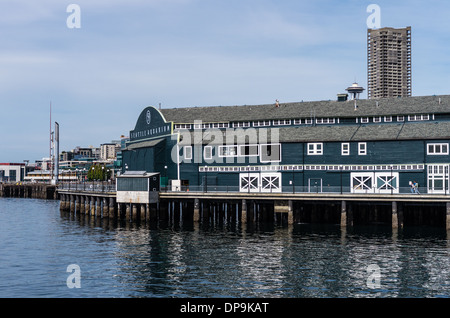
x=144 y=144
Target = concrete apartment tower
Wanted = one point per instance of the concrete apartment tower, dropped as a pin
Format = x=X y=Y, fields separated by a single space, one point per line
x=389 y=62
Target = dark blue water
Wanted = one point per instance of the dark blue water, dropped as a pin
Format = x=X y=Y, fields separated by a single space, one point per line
x=116 y=259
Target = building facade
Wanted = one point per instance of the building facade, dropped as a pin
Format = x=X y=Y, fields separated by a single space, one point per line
x=365 y=146
x=389 y=62
x=12 y=172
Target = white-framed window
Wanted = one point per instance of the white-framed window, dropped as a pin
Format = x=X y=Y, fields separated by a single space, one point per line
x=228 y=151
x=377 y=119
x=201 y=126
x=364 y=120
x=325 y=121
x=243 y=124
x=387 y=119
x=400 y=118
x=308 y=121
x=187 y=152
x=297 y=121
x=270 y=152
x=261 y=123
x=219 y=125
x=315 y=148
x=418 y=117
x=345 y=149
x=207 y=152
x=437 y=149
x=362 y=148
x=248 y=150
x=281 y=122
x=183 y=126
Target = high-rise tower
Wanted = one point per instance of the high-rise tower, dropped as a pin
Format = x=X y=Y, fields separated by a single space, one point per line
x=389 y=62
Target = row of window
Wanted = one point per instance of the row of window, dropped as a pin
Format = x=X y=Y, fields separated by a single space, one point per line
x=317 y=149
x=265 y=152
x=307 y=121
x=272 y=152
x=313 y=168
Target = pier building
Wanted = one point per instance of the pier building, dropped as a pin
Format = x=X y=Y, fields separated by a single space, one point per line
x=351 y=146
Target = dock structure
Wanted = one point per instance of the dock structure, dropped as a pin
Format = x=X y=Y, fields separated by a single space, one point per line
x=28 y=190
x=346 y=210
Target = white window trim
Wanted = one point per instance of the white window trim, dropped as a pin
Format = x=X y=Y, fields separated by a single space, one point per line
x=241 y=124
x=364 y=120
x=242 y=153
x=362 y=148
x=227 y=152
x=187 y=152
x=261 y=153
x=205 y=150
x=261 y=123
x=281 y=122
x=440 y=153
x=400 y=118
x=343 y=151
x=315 y=151
x=377 y=119
x=387 y=119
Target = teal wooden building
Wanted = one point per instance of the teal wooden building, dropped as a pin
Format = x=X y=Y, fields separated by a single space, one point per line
x=348 y=146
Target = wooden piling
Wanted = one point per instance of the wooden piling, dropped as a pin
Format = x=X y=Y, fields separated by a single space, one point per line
x=394 y=215
x=343 y=213
x=244 y=211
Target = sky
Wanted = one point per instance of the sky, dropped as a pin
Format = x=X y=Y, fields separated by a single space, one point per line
x=125 y=55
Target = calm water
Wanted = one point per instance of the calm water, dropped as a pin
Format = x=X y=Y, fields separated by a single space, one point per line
x=38 y=243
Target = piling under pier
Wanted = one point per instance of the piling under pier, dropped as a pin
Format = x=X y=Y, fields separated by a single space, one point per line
x=246 y=208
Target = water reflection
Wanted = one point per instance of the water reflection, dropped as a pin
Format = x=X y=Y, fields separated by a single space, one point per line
x=182 y=259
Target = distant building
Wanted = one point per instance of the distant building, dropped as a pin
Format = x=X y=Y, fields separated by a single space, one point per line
x=108 y=151
x=12 y=172
x=389 y=62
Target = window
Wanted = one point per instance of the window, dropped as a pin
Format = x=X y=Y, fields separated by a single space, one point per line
x=241 y=124
x=248 y=150
x=345 y=149
x=182 y=126
x=387 y=119
x=362 y=148
x=325 y=121
x=261 y=123
x=308 y=121
x=270 y=152
x=297 y=121
x=281 y=122
x=377 y=119
x=400 y=118
x=437 y=149
x=418 y=117
x=201 y=126
x=315 y=149
x=228 y=151
x=219 y=125
x=187 y=151
x=364 y=120
x=207 y=152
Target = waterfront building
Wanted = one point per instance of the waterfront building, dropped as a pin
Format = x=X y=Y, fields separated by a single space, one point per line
x=356 y=146
x=389 y=62
x=12 y=172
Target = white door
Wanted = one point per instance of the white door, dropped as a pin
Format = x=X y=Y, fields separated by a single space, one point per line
x=270 y=182
x=249 y=182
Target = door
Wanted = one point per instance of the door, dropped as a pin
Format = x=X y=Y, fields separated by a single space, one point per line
x=315 y=185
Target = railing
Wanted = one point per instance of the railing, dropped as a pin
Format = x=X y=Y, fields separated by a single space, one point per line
x=94 y=186
x=105 y=186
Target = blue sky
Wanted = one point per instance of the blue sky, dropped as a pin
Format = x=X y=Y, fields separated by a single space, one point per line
x=181 y=53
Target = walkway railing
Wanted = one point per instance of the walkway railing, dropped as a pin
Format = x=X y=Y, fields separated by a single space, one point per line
x=95 y=186
x=105 y=186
